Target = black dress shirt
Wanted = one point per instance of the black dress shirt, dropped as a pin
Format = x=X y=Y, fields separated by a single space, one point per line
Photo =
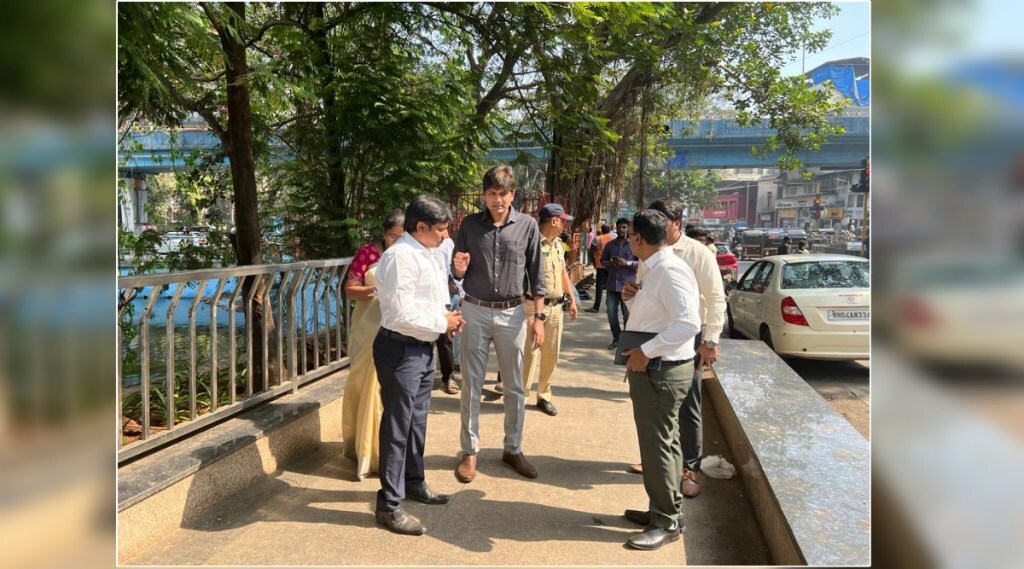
x=501 y=257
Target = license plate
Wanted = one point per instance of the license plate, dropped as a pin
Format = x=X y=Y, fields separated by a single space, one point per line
x=844 y=315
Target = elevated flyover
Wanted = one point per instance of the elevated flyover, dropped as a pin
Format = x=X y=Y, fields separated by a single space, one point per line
x=709 y=143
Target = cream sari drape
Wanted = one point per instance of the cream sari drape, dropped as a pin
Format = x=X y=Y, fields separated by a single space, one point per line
x=362 y=406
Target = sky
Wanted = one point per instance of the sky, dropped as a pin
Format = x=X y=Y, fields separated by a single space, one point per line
x=972 y=30
x=851 y=37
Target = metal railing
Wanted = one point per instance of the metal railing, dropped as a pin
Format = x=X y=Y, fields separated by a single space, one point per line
x=286 y=325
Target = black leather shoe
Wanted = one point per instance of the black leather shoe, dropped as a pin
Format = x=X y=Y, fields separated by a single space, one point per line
x=547 y=407
x=638 y=517
x=400 y=522
x=613 y=345
x=654 y=537
x=422 y=493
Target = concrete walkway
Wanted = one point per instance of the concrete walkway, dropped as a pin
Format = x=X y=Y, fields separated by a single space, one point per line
x=314 y=512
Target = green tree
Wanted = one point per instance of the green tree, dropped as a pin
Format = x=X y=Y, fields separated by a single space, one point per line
x=372 y=117
x=615 y=59
x=176 y=59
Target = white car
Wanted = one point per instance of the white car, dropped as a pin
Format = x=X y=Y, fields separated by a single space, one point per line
x=961 y=310
x=805 y=306
x=174 y=240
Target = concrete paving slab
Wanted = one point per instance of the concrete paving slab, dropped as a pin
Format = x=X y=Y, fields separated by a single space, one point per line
x=313 y=510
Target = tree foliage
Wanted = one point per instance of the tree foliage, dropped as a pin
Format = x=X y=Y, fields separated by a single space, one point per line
x=377 y=102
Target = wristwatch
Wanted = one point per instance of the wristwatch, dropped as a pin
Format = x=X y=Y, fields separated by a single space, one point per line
x=540 y=316
x=711 y=345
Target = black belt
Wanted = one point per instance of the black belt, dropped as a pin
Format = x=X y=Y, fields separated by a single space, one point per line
x=675 y=362
x=501 y=305
x=403 y=338
x=550 y=301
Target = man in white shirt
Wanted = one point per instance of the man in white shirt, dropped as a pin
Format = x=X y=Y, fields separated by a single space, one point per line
x=667 y=303
x=712 y=317
x=412 y=284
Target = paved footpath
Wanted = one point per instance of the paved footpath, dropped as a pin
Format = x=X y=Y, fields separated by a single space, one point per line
x=314 y=512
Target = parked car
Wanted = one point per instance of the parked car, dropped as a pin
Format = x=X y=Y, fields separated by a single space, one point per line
x=805 y=306
x=957 y=310
x=174 y=240
x=728 y=267
x=726 y=258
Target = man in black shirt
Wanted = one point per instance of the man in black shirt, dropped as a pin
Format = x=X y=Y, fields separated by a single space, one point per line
x=495 y=251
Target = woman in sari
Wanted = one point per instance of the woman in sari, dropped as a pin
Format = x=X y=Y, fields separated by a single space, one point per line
x=361 y=406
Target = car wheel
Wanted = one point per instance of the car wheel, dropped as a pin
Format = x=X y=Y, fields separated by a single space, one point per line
x=766 y=336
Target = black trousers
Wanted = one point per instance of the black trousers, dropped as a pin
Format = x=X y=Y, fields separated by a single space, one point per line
x=406 y=376
x=445 y=356
x=600 y=280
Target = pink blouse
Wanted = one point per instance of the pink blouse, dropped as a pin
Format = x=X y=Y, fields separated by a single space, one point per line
x=364 y=259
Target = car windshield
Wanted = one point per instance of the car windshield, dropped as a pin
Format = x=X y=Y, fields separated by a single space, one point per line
x=826 y=274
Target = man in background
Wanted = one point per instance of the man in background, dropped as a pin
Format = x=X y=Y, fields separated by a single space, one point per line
x=622 y=266
x=553 y=220
x=712 y=316
x=600 y=269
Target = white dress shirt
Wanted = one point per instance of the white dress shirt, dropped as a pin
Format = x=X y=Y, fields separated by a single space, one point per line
x=667 y=303
x=412 y=286
x=709 y=283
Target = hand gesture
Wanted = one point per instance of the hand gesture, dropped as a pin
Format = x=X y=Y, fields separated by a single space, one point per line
x=455 y=322
x=629 y=290
x=461 y=262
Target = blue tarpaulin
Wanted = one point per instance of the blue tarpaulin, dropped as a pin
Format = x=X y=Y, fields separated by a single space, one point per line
x=844 y=80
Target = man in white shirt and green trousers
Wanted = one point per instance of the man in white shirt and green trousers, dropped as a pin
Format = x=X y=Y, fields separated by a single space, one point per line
x=667 y=303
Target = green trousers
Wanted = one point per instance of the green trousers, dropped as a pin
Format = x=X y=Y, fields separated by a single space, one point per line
x=657 y=396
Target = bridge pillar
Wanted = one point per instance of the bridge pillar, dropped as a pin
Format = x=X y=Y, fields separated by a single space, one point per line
x=133 y=196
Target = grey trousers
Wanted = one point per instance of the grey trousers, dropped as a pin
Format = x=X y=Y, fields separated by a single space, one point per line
x=507 y=330
x=657 y=397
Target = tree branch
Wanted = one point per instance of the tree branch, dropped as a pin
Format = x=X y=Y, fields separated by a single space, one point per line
x=639 y=74
x=273 y=24
x=194 y=106
x=491 y=99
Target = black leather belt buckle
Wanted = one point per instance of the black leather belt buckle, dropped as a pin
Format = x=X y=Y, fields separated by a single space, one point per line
x=402 y=338
x=500 y=305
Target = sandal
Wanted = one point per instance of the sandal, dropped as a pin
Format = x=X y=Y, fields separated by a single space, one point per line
x=450 y=387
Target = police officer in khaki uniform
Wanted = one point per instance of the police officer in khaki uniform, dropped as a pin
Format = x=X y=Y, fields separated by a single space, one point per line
x=552 y=219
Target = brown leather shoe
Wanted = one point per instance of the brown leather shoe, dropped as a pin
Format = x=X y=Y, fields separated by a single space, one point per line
x=519 y=463
x=466 y=470
x=691 y=483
